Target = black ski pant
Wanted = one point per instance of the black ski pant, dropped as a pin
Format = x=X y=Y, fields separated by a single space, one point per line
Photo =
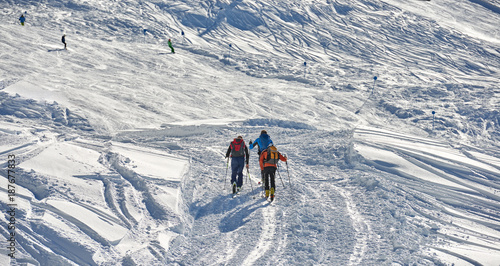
x=269 y=174
x=261 y=171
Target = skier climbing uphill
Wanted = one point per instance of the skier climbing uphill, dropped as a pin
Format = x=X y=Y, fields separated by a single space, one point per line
x=262 y=141
x=22 y=19
x=238 y=152
x=268 y=164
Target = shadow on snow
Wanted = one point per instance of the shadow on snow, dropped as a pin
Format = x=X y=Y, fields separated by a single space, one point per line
x=238 y=218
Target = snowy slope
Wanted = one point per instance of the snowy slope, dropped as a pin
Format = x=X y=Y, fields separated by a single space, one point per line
x=119 y=144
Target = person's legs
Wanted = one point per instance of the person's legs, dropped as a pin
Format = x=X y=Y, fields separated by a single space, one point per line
x=267 y=175
x=272 y=176
x=234 y=170
x=241 y=165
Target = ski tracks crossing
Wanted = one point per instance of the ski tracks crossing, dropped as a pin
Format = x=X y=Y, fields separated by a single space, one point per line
x=325 y=214
x=315 y=222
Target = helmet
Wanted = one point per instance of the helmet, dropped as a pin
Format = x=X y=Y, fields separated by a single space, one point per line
x=263 y=132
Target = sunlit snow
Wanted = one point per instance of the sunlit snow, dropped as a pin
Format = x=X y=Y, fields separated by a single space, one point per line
x=387 y=110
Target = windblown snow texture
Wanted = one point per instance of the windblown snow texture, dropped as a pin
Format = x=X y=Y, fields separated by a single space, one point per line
x=119 y=144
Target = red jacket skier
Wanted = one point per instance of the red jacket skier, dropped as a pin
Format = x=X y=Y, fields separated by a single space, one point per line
x=239 y=152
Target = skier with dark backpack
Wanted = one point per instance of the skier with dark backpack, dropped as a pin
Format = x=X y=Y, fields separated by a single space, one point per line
x=238 y=151
x=269 y=159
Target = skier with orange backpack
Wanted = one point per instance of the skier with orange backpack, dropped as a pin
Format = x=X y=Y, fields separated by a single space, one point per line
x=238 y=151
x=269 y=159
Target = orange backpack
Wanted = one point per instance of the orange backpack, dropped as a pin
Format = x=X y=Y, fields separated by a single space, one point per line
x=273 y=155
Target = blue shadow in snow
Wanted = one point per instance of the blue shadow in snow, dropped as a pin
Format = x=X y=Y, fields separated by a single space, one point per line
x=487 y=5
x=55 y=50
x=384 y=163
x=278 y=123
x=342 y=9
x=216 y=206
x=237 y=219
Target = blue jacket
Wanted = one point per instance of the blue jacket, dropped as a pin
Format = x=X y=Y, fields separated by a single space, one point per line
x=22 y=19
x=263 y=141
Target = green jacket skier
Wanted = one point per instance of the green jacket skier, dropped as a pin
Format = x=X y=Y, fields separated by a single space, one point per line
x=170 y=45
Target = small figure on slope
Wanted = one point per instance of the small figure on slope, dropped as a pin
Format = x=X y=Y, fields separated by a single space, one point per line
x=63 y=40
x=262 y=141
x=238 y=151
x=22 y=19
x=269 y=159
x=170 y=45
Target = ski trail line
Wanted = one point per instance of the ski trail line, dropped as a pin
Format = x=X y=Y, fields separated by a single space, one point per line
x=230 y=252
x=266 y=237
x=363 y=229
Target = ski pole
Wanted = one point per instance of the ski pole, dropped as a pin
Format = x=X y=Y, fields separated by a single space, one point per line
x=248 y=179
x=280 y=176
x=227 y=167
x=262 y=181
x=288 y=174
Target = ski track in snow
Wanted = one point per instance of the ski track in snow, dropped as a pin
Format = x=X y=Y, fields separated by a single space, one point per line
x=361 y=227
x=120 y=144
x=267 y=235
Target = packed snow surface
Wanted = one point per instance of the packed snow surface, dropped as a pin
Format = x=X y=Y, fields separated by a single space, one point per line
x=388 y=112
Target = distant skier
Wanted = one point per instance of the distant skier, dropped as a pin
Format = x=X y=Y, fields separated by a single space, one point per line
x=268 y=164
x=239 y=155
x=22 y=19
x=170 y=45
x=262 y=141
x=63 y=40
